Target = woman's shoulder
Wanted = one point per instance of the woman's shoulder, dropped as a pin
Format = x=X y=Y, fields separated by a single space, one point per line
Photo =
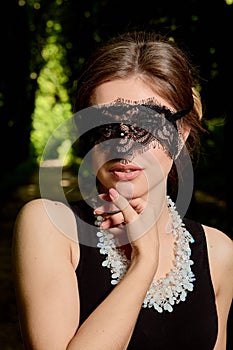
x=218 y=240
x=220 y=250
x=44 y=204
x=46 y=211
x=42 y=220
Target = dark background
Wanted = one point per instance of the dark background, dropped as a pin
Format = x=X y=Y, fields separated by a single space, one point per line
x=203 y=28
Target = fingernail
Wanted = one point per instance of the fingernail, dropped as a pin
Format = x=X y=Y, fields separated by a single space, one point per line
x=113 y=193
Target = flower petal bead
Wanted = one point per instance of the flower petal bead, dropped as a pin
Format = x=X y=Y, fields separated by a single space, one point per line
x=166 y=292
x=116 y=275
x=103 y=251
x=158 y=308
x=183 y=295
x=168 y=307
x=114 y=282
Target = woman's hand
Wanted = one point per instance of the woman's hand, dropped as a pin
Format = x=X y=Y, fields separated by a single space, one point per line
x=140 y=223
x=152 y=201
x=112 y=215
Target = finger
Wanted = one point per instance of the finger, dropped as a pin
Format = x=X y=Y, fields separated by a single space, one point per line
x=112 y=220
x=138 y=204
x=142 y=224
x=104 y=197
x=128 y=212
x=107 y=209
x=136 y=224
x=118 y=230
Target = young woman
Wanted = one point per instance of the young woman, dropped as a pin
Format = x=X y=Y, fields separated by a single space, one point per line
x=128 y=272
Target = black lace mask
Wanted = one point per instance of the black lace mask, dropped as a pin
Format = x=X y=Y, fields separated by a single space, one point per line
x=124 y=129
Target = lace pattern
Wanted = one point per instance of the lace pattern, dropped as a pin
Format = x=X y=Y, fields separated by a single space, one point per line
x=125 y=128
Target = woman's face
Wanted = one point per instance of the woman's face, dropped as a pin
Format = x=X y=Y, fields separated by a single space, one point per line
x=135 y=178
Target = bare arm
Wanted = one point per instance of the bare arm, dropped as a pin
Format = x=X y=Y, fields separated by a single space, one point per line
x=46 y=285
x=220 y=249
x=47 y=288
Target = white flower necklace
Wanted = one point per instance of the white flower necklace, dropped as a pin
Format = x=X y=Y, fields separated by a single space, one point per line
x=164 y=293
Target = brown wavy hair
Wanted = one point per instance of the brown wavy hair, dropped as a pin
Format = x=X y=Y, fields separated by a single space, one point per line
x=159 y=62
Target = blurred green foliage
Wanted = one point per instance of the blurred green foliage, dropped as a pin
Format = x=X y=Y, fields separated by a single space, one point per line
x=52 y=102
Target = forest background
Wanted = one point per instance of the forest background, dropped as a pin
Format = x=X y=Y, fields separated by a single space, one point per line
x=44 y=45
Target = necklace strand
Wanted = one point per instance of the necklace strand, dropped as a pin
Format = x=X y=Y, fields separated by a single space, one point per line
x=165 y=292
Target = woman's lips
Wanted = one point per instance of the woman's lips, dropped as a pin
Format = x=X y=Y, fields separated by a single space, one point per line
x=125 y=172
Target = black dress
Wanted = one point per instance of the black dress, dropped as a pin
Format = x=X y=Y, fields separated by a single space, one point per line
x=192 y=325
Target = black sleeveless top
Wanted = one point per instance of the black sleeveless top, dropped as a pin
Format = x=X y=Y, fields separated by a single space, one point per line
x=192 y=325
